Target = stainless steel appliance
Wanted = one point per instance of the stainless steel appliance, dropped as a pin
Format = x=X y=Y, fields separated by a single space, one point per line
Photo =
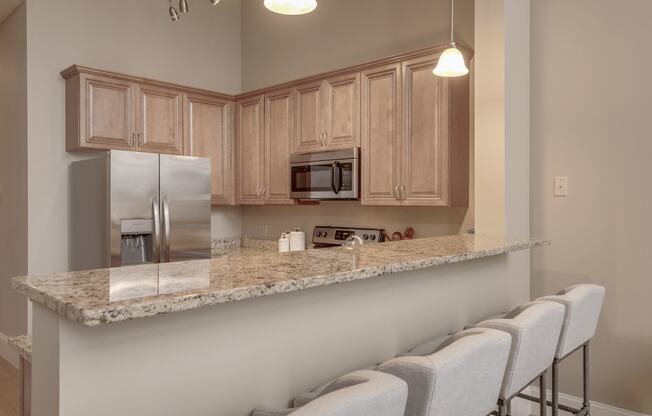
x=326 y=175
x=134 y=208
x=326 y=236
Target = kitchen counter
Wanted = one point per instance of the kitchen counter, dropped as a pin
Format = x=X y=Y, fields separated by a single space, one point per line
x=104 y=296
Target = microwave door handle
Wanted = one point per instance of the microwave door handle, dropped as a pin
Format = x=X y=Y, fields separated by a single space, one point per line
x=156 y=248
x=334 y=166
x=340 y=177
x=166 y=231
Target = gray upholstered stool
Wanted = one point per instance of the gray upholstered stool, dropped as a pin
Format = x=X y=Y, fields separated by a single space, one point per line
x=583 y=304
x=535 y=329
x=361 y=393
x=460 y=377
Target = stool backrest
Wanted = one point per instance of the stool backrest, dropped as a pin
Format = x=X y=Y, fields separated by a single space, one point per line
x=583 y=304
x=360 y=393
x=535 y=329
x=461 y=377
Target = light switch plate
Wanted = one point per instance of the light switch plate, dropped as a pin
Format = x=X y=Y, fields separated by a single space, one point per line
x=561 y=186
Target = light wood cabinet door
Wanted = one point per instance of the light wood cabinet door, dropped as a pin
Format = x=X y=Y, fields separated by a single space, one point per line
x=342 y=112
x=208 y=133
x=381 y=134
x=424 y=176
x=251 y=151
x=309 y=117
x=160 y=115
x=104 y=118
x=279 y=141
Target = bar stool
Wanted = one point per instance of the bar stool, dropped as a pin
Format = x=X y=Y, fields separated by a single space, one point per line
x=535 y=328
x=582 y=304
x=360 y=393
x=460 y=377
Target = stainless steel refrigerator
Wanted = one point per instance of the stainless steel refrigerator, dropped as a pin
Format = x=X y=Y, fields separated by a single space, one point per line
x=135 y=208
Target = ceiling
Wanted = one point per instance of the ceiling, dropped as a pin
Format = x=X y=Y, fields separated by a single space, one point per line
x=7 y=6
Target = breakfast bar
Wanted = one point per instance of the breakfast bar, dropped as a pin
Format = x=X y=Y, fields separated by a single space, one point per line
x=221 y=336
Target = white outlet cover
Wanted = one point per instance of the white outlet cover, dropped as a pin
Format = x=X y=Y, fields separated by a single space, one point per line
x=560 y=186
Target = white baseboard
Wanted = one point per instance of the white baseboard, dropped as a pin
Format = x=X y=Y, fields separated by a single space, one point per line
x=7 y=353
x=597 y=408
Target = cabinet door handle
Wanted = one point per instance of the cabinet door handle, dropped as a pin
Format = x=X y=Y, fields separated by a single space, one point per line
x=138 y=136
x=325 y=137
x=131 y=139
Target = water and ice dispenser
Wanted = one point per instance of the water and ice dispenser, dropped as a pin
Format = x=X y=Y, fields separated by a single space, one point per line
x=137 y=241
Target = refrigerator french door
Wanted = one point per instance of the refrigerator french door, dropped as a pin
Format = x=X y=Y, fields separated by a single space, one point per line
x=131 y=208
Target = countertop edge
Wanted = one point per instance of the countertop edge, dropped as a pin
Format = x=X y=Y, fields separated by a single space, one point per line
x=144 y=309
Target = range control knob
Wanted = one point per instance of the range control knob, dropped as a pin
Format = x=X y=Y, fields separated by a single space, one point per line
x=373 y=237
x=366 y=236
x=324 y=234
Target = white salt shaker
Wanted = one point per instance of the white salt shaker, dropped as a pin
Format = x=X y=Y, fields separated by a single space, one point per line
x=284 y=243
x=297 y=240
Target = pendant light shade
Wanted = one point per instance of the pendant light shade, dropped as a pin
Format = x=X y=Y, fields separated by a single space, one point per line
x=183 y=6
x=291 y=7
x=451 y=61
x=214 y=2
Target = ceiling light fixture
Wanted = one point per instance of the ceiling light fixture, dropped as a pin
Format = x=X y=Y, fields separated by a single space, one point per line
x=451 y=61
x=214 y=2
x=183 y=6
x=291 y=7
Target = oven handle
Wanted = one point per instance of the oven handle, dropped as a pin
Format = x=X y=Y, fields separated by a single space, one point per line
x=338 y=188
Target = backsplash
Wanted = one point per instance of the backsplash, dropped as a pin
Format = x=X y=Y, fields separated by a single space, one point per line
x=268 y=222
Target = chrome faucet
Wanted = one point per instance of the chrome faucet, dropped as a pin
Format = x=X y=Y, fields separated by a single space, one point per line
x=352 y=241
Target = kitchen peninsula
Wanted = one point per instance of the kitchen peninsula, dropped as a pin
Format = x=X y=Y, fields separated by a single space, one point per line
x=227 y=334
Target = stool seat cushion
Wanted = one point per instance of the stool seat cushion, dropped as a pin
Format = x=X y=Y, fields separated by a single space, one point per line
x=534 y=328
x=583 y=304
x=360 y=393
x=461 y=377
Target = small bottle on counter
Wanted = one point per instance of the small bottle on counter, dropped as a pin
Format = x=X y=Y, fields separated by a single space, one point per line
x=284 y=243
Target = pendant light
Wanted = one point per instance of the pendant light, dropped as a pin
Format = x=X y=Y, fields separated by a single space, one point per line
x=214 y=2
x=291 y=7
x=183 y=6
x=451 y=61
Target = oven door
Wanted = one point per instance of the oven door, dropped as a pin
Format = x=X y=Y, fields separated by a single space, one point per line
x=334 y=179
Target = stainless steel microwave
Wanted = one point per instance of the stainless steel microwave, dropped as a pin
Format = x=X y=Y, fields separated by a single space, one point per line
x=326 y=175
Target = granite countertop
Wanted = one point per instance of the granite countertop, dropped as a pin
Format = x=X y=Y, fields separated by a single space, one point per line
x=104 y=296
x=22 y=345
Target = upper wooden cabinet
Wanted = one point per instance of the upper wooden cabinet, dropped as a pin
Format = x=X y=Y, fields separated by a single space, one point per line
x=328 y=114
x=251 y=150
x=279 y=141
x=160 y=116
x=310 y=117
x=208 y=133
x=109 y=112
x=342 y=112
x=423 y=159
x=381 y=135
x=100 y=113
x=265 y=141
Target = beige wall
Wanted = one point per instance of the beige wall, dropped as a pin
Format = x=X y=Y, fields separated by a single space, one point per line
x=341 y=33
x=591 y=111
x=202 y=50
x=13 y=171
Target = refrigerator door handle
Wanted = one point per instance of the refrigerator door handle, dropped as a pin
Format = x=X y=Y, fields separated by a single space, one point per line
x=166 y=231
x=156 y=247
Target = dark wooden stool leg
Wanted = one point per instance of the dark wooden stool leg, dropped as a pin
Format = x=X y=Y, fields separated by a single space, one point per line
x=543 y=406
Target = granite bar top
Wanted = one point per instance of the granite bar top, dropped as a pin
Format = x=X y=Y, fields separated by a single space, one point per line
x=22 y=345
x=104 y=296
